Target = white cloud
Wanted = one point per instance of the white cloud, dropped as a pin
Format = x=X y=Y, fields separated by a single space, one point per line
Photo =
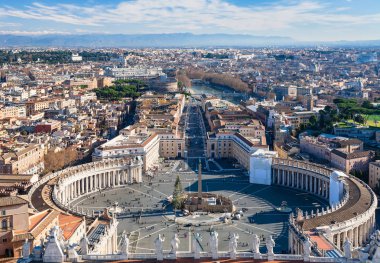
x=7 y=24
x=197 y=16
x=32 y=33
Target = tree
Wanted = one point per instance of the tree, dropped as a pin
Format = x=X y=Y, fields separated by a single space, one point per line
x=359 y=118
x=57 y=160
x=367 y=104
x=122 y=89
x=313 y=121
x=178 y=196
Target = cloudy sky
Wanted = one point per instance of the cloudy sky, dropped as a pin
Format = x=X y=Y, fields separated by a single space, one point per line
x=322 y=20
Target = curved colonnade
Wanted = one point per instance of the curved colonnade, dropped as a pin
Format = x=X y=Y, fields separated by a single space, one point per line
x=95 y=176
x=78 y=181
x=353 y=217
x=304 y=176
x=354 y=212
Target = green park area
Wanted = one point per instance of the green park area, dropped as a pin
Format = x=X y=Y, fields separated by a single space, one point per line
x=128 y=88
x=372 y=120
x=347 y=113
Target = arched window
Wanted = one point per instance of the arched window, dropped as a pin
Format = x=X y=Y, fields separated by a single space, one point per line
x=4 y=224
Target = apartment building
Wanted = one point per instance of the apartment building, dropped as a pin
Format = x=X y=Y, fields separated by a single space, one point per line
x=22 y=160
x=13 y=216
x=48 y=126
x=374 y=174
x=136 y=143
x=351 y=161
x=296 y=119
x=12 y=112
x=172 y=145
x=33 y=107
x=227 y=144
x=341 y=152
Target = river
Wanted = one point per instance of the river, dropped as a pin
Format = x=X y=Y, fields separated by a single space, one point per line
x=218 y=91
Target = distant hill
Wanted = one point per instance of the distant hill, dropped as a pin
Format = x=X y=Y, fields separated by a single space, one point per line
x=166 y=40
x=143 y=40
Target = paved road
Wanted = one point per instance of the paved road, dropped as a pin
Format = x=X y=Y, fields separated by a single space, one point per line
x=196 y=136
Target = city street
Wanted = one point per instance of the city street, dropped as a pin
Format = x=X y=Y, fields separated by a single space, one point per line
x=195 y=136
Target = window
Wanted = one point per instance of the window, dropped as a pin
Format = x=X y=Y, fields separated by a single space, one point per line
x=3 y=212
x=4 y=224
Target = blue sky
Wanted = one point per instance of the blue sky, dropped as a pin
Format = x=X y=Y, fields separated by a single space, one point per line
x=310 y=20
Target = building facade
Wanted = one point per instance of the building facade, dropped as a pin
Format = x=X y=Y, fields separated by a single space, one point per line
x=13 y=215
x=24 y=160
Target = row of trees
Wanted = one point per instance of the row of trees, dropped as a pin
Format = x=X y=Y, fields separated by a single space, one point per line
x=227 y=80
x=183 y=79
x=348 y=108
x=55 y=161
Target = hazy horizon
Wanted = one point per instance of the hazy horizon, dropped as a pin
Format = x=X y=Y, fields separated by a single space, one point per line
x=301 y=20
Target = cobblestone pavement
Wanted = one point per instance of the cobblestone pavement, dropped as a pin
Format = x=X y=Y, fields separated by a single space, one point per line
x=145 y=217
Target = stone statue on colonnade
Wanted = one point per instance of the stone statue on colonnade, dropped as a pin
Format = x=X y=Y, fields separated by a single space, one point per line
x=158 y=243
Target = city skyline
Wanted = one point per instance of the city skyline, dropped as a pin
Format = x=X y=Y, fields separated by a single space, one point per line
x=315 y=20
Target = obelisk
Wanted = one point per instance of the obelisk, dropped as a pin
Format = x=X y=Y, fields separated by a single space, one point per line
x=200 y=182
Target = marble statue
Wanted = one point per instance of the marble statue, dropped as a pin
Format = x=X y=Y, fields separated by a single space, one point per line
x=59 y=234
x=214 y=244
x=269 y=242
x=372 y=250
x=347 y=248
x=307 y=245
x=26 y=249
x=299 y=215
x=53 y=251
x=84 y=245
x=197 y=246
x=376 y=247
x=255 y=244
x=233 y=245
x=72 y=253
x=158 y=243
x=174 y=243
x=125 y=244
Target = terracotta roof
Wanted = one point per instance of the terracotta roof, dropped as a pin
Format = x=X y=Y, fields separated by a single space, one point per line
x=35 y=219
x=44 y=223
x=11 y=200
x=321 y=242
x=353 y=155
x=246 y=141
x=68 y=224
x=15 y=177
x=344 y=143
